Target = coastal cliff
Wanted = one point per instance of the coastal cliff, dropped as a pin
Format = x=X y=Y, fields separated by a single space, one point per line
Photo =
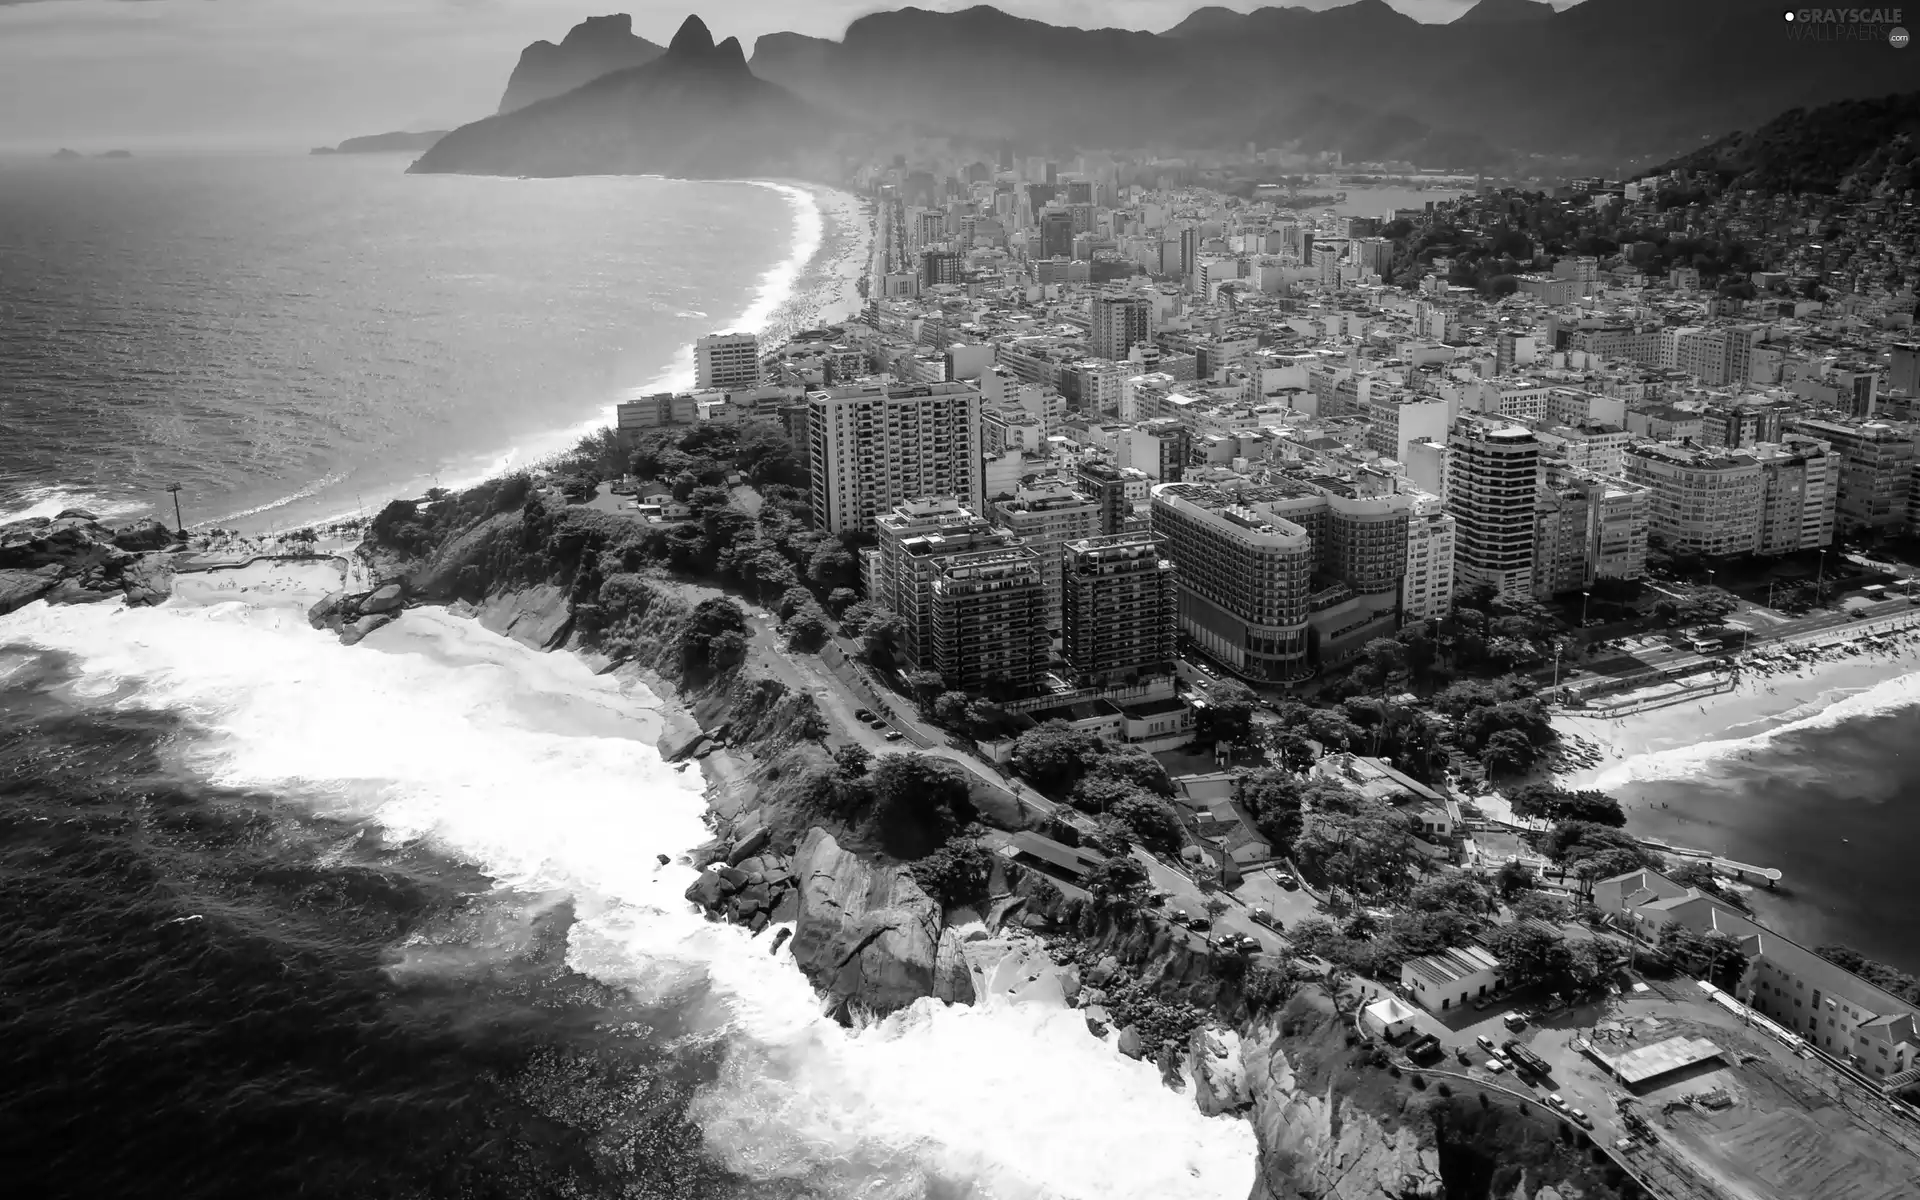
x=695 y=112
x=1244 y=1037
x=596 y=46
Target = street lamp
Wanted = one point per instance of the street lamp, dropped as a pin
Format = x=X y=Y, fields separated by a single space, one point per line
x=179 y=524
x=1584 y=597
x=1820 y=580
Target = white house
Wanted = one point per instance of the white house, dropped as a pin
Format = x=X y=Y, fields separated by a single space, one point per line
x=1451 y=978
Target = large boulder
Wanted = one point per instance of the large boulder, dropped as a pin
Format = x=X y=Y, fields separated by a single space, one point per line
x=866 y=935
x=20 y=588
x=331 y=611
x=144 y=534
x=385 y=599
x=952 y=976
x=352 y=634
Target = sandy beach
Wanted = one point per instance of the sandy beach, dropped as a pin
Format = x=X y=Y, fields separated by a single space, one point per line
x=1607 y=752
x=828 y=289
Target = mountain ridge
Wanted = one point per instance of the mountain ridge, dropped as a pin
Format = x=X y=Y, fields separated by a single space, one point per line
x=696 y=112
x=596 y=46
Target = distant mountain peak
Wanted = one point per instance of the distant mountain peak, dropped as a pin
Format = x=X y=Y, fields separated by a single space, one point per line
x=1490 y=12
x=596 y=46
x=693 y=40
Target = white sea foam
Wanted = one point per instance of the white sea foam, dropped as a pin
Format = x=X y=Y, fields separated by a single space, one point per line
x=542 y=772
x=51 y=501
x=1699 y=759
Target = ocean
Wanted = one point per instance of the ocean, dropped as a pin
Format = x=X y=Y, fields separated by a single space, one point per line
x=294 y=338
x=288 y=917
x=1828 y=799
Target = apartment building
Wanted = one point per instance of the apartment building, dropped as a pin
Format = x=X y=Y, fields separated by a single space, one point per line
x=1587 y=528
x=988 y=629
x=634 y=417
x=1493 y=471
x=1588 y=446
x=1426 y=590
x=1244 y=578
x=1876 y=471
x=1159 y=448
x=1836 y=1011
x=1121 y=615
x=875 y=446
x=1703 y=501
x=726 y=362
x=1576 y=406
x=1119 y=322
x=1114 y=490
x=911 y=541
x=1394 y=421
x=1800 y=484
x=1046 y=516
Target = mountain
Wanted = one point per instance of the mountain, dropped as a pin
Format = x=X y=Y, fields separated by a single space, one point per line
x=1613 y=79
x=694 y=112
x=1854 y=147
x=65 y=154
x=1493 y=12
x=596 y=46
x=385 y=143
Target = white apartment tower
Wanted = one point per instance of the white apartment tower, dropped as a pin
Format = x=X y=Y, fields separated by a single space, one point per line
x=876 y=446
x=1427 y=588
x=726 y=362
x=1493 y=472
x=1119 y=323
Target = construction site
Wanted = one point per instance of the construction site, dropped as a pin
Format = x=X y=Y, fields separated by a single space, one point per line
x=1704 y=1106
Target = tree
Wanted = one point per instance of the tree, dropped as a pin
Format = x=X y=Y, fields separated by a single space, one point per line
x=1593 y=851
x=1713 y=956
x=955 y=874
x=1537 y=906
x=1546 y=802
x=852 y=760
x=1385 y=659
x=1215 y=906
x=1508 y=752
x=808 y=628
x=1152 y=822
x=831 y=565
x=1512 y=879
x=1099 y=793
x=1133 y=765
x=880 y=637
x=1528 y=952
x=1230 y=706
x=1052 y=756
x=1120 y=878
x=921 y=793
x=1274 y=799
x=840 y=600
x=926 y=687
x=950 y=711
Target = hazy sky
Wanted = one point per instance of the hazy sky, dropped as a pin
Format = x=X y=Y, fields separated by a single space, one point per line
x=96 y=74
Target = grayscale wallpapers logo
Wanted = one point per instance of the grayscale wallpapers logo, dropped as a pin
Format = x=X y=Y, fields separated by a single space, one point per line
x=1847 y=25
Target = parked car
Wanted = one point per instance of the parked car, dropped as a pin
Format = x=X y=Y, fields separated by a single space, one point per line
x=1263 y=917
x=1179 y=915
x=877 y=723
x=1580 y=1118
x=894 y=735
x=1558 y=1101
x=1486 y=1043
x=861 y=714
x=1514 y=1021
x=1200 y=922
x=1496 y=1065
x=1286 y=880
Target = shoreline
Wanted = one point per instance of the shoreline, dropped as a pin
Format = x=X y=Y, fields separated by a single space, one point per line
x=822 y=289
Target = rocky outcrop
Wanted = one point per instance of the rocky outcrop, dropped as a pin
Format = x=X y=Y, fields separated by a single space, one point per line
x=354 y=615
x=1316 y=1141
x=867 y=936
x=596 y=46
x=1219 y=1076
x=74 y=559
x=755 y=890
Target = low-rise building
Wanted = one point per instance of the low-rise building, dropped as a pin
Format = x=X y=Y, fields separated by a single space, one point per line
x=1452 y=978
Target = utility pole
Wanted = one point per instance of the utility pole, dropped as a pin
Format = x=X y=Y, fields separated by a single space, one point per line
x=179 y=525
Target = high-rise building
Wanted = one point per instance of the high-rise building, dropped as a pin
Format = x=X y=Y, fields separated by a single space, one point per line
x=1703 y=501
x=910 y=544
x=726 y=362
x=873 y=446
x=940 y=266
x=1905 y=373
x=1244 y=578
x=1875 y=473
x=1426 y=591
x=1119 y=323
x=1121 y=615
x=1159 y=446
x=989 y=635
x=1046 y=517
x=1056 y=234
x=1190 y=243
x=1493 y=471
x=1799 y=486
x=1505 y=352
x=1106 y=486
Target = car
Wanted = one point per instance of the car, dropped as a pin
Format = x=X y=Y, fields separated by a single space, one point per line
x=877 y=723
x=861 y=714
x=1200 y=923
x=1179 y=914
x=1514 y=1021
x=1486 y=1043
x=894 y=735
x=1557 y=1101
x=1496 y=1065
x=1286 y=880
x=1481 y=1004
x=1263 y=917
x=1580 y=1118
